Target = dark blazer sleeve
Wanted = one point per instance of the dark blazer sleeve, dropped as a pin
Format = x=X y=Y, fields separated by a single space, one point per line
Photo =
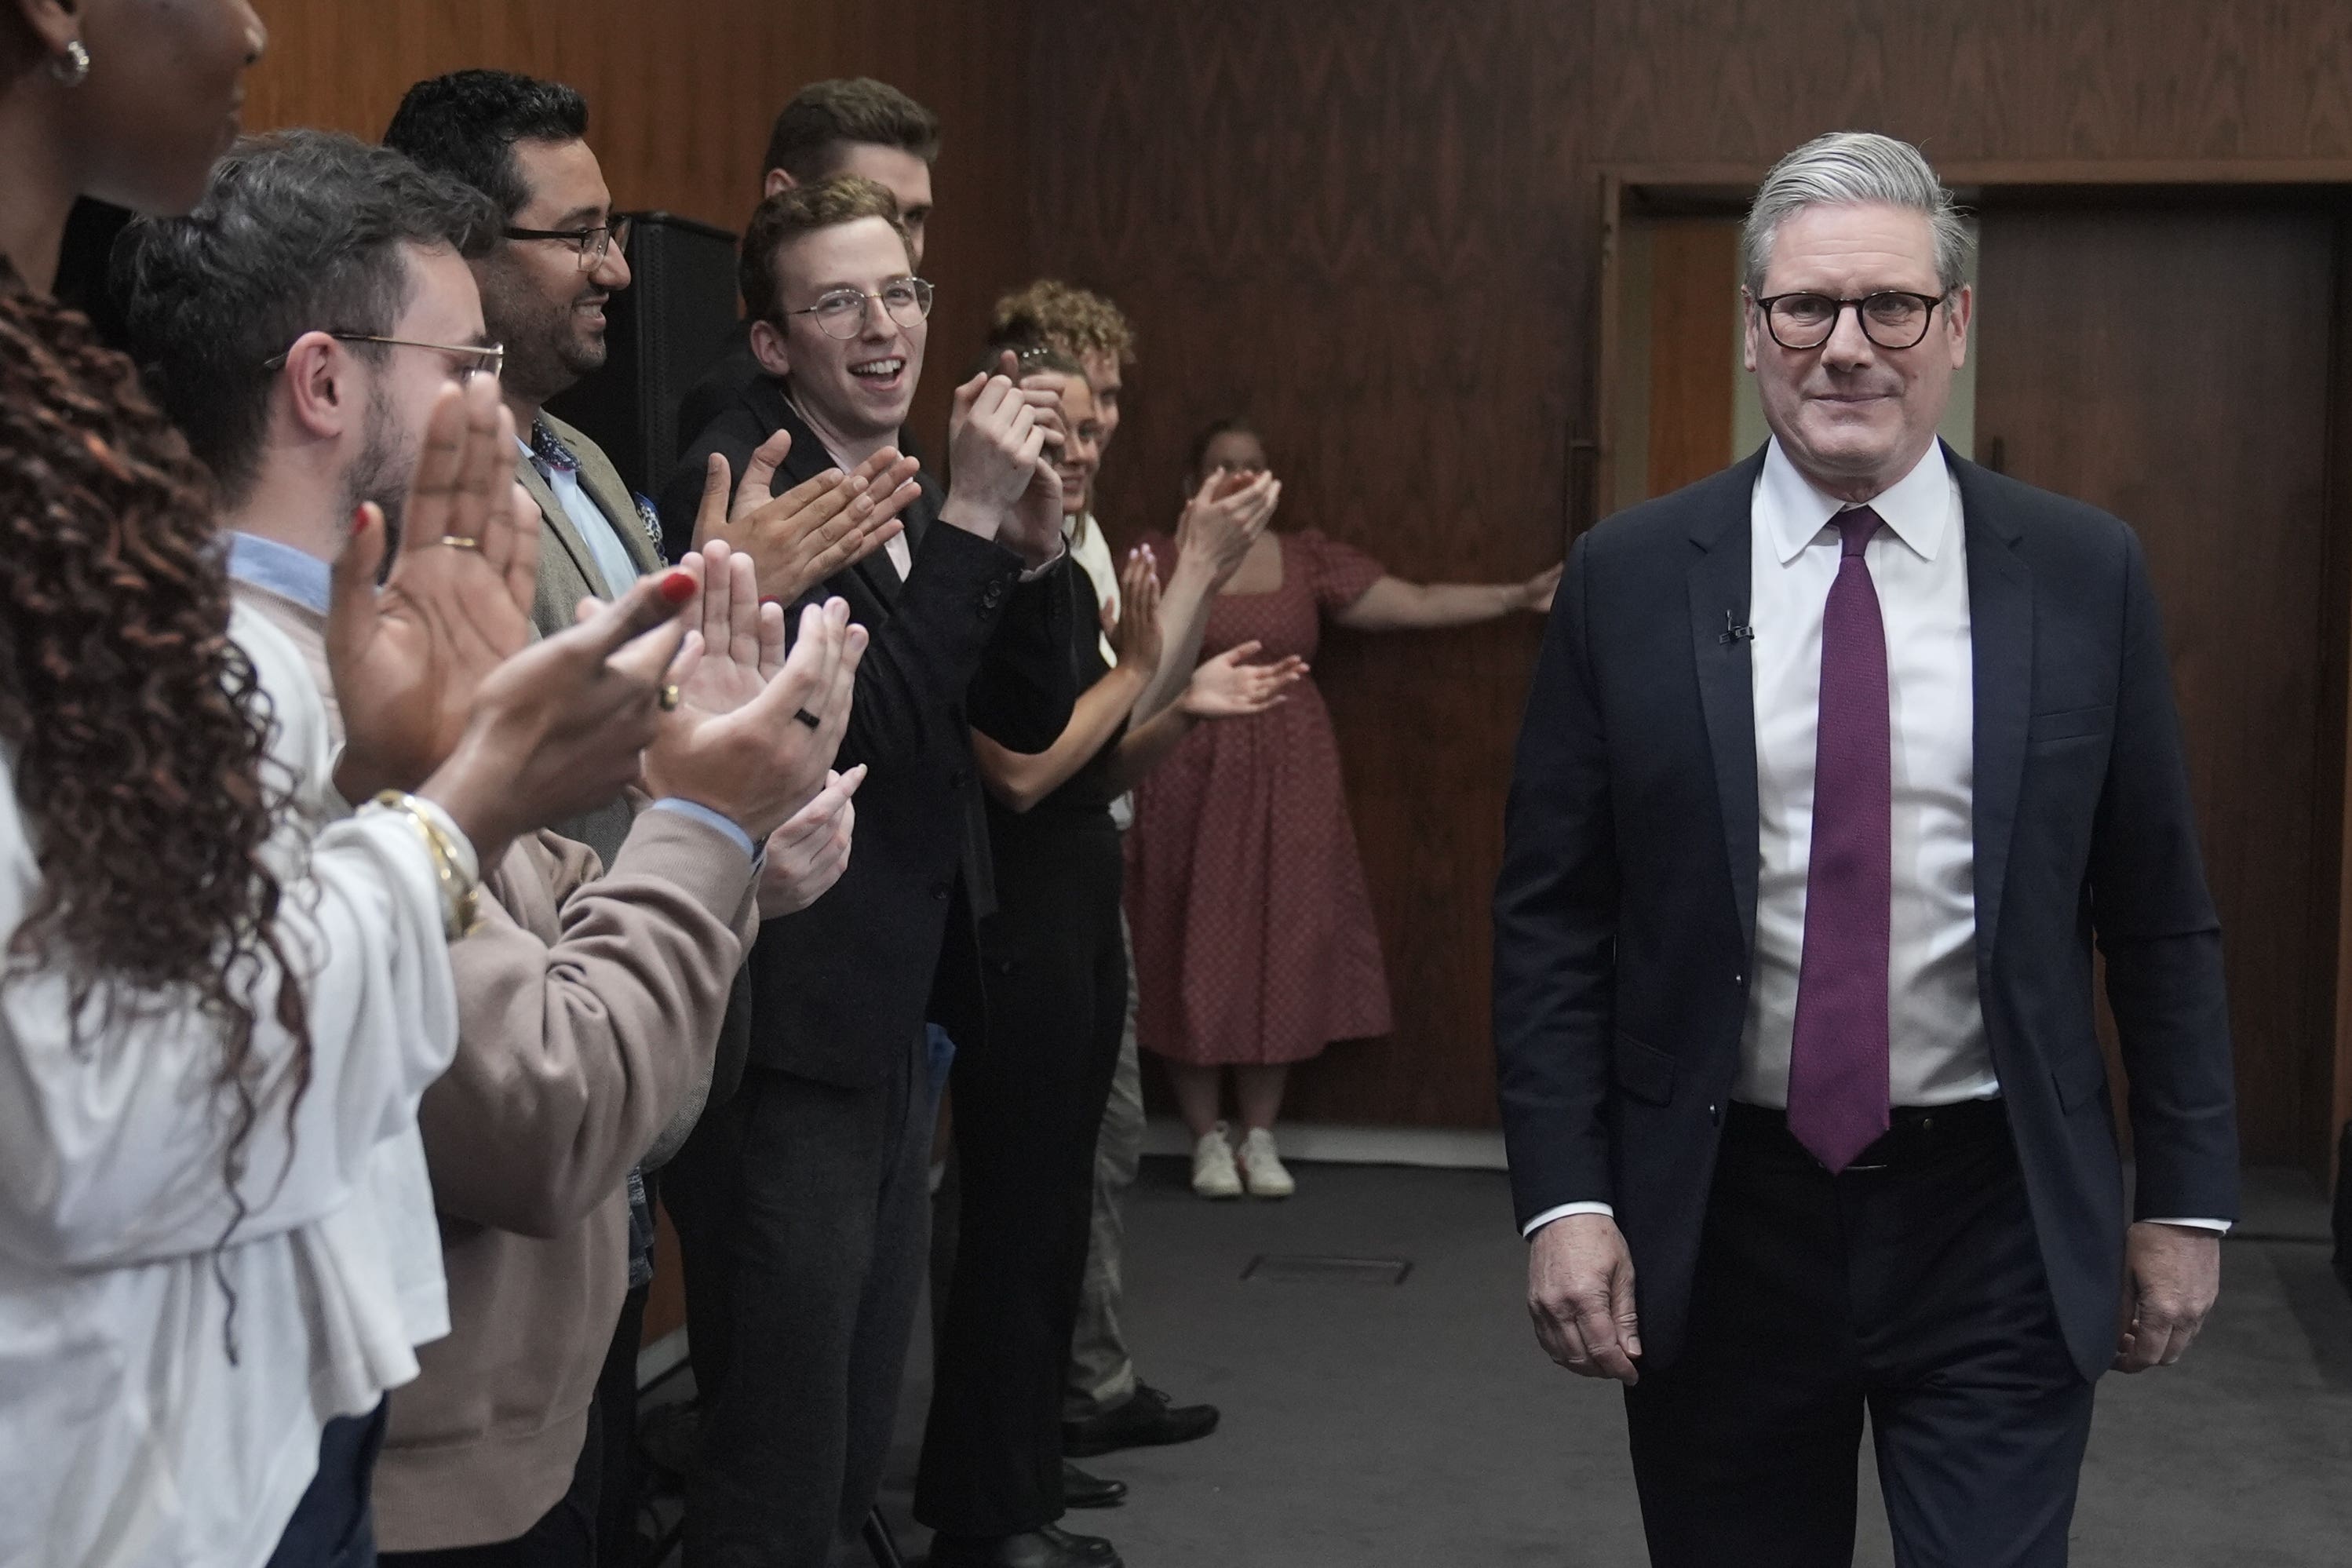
x=2155 y=923
x=1026 y=689
x=1555 y=925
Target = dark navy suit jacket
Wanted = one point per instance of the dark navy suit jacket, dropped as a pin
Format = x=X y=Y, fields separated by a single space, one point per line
x=1626 y=914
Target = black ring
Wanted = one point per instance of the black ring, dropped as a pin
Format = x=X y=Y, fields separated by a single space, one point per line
x=807 y=717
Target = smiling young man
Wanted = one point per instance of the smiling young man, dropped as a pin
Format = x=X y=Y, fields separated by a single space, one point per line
x=1834 y=766
x=854 y=125
x=804 y=1207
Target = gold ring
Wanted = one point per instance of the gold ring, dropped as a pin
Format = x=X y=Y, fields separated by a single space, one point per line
x=669 y=696
x=457 y=542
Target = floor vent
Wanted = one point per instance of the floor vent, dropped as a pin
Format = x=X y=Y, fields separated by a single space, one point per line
x=1281 y=1268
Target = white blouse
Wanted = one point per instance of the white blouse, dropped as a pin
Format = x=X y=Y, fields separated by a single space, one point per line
x=127 y=1435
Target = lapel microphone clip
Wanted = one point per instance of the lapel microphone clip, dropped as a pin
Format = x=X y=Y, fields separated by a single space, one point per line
x=1734 y=632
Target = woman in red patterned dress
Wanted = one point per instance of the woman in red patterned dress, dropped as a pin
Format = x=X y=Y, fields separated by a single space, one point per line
x=1255 y=945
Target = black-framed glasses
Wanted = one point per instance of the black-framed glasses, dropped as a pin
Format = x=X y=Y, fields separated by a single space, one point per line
x=473 y=359
x=842 y=312
x=1891 y=319
x=595 y=243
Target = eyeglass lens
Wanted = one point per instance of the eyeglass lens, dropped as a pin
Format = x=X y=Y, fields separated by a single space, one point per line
x=842 y=313
x=1890 y=321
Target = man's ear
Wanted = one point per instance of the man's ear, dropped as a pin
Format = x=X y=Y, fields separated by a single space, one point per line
x=768 y=347
x=776 y=180
x=317 y=385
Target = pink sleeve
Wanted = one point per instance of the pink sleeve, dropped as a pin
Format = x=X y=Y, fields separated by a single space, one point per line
x=1339 y=573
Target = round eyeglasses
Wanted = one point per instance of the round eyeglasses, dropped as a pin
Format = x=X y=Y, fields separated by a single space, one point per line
x=1891 y=319
x=594 y=243
x=842 y=312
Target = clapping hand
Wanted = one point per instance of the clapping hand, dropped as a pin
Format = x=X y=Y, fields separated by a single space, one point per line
x=407 y=659
x=1227 y=686
x=797 y=540
x=1135 y=640
x=808 y=854
x=1004 y=486
x=756 y=729
x=1223 y=520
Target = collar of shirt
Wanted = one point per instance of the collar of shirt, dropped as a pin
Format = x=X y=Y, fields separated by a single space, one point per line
x=1917 y=508
x=283 y=570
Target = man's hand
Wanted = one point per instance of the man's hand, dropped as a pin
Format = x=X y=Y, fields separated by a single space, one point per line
x=1580 y=1294
x=737 y=742
x=408 y=658
x=2171 y=1275
x=1220 y=522
x=998 y=452
x=799 y=539
x=808 y=854
x=1227 y=686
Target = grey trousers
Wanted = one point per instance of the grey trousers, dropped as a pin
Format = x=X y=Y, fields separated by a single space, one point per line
x=1101 y=1375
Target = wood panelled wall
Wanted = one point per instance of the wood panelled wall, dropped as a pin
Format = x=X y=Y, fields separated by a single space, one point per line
x=680 y=98
x=1371 y=223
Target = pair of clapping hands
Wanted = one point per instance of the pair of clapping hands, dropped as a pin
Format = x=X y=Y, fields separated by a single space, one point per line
x=684 y=682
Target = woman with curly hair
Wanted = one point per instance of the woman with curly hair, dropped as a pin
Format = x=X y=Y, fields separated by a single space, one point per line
x=216 y=1017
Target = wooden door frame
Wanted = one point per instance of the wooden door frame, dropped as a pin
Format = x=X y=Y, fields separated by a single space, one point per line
x=1627 y=190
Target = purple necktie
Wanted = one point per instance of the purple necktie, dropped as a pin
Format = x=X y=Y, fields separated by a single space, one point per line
x=1837 y=1061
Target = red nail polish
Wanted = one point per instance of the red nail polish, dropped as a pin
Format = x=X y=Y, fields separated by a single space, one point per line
x=358 y=518
x=677 y=587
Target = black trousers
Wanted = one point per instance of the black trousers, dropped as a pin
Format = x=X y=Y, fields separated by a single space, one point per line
x=618 y=1545
x=565 y=1537
x=334 y=1523
x=1028 y=1103
x=804 y=1211
x=1910 y=1286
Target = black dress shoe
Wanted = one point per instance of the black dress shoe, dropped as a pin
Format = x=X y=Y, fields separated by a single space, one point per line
x=1052 y=1547
x=1080 y=1489
x=1147 y=1420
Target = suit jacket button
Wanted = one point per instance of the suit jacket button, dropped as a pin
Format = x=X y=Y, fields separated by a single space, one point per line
x=939 y=891
x=994 y=596
x=956 y=778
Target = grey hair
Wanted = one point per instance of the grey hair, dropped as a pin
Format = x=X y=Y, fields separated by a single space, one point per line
x=1847 y=168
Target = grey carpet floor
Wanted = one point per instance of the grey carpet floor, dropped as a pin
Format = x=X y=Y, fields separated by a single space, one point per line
x=1417 y=1424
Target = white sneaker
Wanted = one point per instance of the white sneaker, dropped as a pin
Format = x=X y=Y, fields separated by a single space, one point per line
x=1262 y=1168
x=1213 y=1175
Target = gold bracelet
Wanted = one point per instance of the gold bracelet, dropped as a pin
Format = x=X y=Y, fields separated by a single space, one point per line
x=461 y=896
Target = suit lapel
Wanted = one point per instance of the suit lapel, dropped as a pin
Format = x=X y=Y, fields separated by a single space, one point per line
x=2001 y=628
x=605 y=486
x=559 y=522
x=1720 y=590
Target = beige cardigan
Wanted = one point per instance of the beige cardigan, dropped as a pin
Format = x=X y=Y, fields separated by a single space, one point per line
x=588 y=1007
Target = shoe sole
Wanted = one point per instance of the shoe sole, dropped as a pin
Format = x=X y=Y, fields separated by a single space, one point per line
x=1096 y=1450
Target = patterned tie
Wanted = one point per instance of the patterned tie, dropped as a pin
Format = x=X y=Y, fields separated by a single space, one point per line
x=1838 y=1061
x=548 y=454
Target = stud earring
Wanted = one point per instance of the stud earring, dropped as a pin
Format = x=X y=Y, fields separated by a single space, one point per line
x=70 y=66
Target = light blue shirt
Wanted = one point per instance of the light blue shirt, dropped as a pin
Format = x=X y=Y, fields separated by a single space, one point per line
x=288 y=572
x=601 y=533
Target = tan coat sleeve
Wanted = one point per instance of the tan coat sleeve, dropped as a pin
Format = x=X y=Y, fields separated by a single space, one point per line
x=588 y=1007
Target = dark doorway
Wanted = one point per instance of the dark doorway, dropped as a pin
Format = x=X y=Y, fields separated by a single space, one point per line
x=2171 y=363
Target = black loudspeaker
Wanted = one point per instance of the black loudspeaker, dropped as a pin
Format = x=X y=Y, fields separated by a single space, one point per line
x=661 y=333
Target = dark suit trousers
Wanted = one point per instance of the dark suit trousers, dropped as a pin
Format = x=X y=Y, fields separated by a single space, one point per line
x=812 y=1203
x=1914 y=1289
x=1028 y=1105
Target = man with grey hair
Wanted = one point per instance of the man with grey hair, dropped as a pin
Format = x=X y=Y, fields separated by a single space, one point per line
x=1834 y=766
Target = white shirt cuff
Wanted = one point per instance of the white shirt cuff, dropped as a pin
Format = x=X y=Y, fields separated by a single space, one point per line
x=1034 y=573
x=1545 y=1218
x=2218 y=1226
x=710 y=818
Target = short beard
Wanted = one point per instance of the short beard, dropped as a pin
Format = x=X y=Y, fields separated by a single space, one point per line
x=545 y=351
x=380 y=474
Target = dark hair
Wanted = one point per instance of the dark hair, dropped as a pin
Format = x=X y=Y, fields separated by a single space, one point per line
x=827 y=116
x=466 y=124
x=135 y=730
x=803 y=209
x=299 y=231
x=1231 y=424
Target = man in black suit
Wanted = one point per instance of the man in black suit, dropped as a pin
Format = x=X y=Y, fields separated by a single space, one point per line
x=803 y=1204
x=854 y=125
x=1834 y=764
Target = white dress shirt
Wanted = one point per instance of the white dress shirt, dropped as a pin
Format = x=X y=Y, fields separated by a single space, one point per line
x=1918 y=566
x=600 y=533
x=130 y=1440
